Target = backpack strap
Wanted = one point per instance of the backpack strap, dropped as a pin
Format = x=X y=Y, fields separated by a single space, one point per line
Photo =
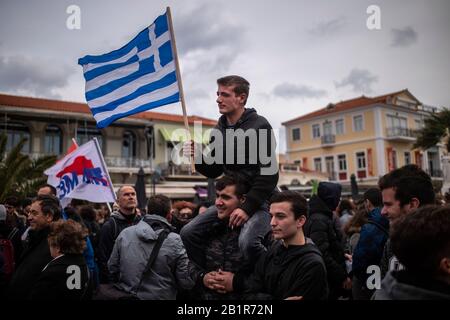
x=379 y=226
x=116 y=234
x=161 y=237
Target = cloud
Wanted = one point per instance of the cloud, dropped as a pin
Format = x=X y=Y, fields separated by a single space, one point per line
x=291 y=91
x=360 y=80
x=37 y=77
x=327 y=28
x=403 y=37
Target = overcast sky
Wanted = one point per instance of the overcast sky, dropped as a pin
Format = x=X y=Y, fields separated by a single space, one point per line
x=297 y=55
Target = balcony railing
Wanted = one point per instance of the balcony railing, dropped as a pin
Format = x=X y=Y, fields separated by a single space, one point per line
x=328 y=139
x=401 y=132
x=435 y=173
x=119 y=162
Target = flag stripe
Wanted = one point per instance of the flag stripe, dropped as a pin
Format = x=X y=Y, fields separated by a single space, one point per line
x=137 y=77
x=166 y=81
x=155 y=95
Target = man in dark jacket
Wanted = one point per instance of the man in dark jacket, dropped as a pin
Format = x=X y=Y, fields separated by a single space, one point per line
x=36 y=256
x=241 y=142
x=221 y=248
x=293 y=267
x=322 y=231
x=421 y=242
x=369 y=248
x=126 y=216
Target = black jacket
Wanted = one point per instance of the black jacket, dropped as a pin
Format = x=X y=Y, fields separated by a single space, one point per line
x=108 y=234
x=262 y=185
x=53 y=280
x=284 y=272
x=34 y=258
x=321 y=230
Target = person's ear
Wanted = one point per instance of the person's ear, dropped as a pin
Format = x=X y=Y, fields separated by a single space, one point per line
x=242 y=199
x=301 y=221
x=169 y=216
x=242 y=98
x=444 y=265
x=414 y=203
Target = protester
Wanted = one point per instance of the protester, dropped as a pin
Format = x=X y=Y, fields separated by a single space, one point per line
x=293 y=267
x=323 y=232
x=404 y=190
x=44 y=210
x=66 y=277
x=421 y=242
x=345 y=211
x=232 y=95
x=182 y=213
x=124 y=217
x=134 y=248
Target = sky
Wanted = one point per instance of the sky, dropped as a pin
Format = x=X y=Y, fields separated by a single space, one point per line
x=298 y=55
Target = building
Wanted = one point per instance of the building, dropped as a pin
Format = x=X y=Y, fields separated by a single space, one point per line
x=143 y=140
x=365 y=136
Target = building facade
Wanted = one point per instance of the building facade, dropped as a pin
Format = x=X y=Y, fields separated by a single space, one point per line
x=144 y=140
x=364 y=136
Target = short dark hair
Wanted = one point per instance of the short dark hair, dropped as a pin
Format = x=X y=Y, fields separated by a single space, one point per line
x=407 y=188
x=69 y=236
x=52 y=188
x=88 y=213
x=374 y=196
x=240 y=84
x=49 y=205
x=233 y=179
x=344 y=204
x=298 y=202
x=421 y=239
x=159 y=204
x=12 y=201
x=389 y=179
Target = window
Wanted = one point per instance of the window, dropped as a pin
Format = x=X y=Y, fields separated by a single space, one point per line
x=340 y=126
x=419 y=124
x=86 y=133
x=129 y=145
x=53 y=140
x=296 y=134
x=327 y=128
x=361 y=164
x=316 y=131
x=407 y=158
x=318 y=164
x=358 y=123
x=14 y=133
x=342 y=162
x=397 y=122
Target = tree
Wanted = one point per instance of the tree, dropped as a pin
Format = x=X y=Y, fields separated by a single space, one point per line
x=437 y=128
x=20 y=175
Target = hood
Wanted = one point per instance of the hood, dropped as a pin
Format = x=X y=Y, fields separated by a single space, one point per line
x=248 y=114
x=316 y=205
x=151 y=226
x=330 y=194
x=119 y=215
x=376 y=216
x=393 y=289
x=285 y=255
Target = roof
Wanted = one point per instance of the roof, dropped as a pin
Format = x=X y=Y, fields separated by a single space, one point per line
x=57 y=105
x=348 y=105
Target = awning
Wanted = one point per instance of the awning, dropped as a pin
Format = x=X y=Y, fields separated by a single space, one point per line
x=179 y=135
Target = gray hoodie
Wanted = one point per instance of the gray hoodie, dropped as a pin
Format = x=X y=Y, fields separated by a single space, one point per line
x=130 y=255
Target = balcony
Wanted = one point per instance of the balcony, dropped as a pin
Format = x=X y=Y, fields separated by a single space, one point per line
x=401 y=134
x=332 y=176
x=435 y=173
x=328 y=140
x=119 y=162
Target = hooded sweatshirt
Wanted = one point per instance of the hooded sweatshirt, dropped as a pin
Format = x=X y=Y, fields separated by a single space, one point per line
x=295 y=270
x=253 y=169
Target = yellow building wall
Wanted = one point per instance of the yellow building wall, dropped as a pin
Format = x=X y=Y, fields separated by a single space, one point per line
x=349 y=150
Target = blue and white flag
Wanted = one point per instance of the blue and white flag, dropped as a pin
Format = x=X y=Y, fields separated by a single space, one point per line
x=137 y=77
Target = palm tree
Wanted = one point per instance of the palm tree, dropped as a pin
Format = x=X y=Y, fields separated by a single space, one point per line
x=437 y=128
x=20 y=175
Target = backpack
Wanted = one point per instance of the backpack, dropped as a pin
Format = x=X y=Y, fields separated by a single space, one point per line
x=7 y=251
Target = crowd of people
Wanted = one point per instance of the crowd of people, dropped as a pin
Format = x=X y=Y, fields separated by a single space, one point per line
x=252 y=242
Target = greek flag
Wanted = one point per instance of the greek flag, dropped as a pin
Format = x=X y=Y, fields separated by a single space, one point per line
x=137 y=77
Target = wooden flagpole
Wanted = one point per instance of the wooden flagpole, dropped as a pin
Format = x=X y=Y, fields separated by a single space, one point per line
x=180 y=83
